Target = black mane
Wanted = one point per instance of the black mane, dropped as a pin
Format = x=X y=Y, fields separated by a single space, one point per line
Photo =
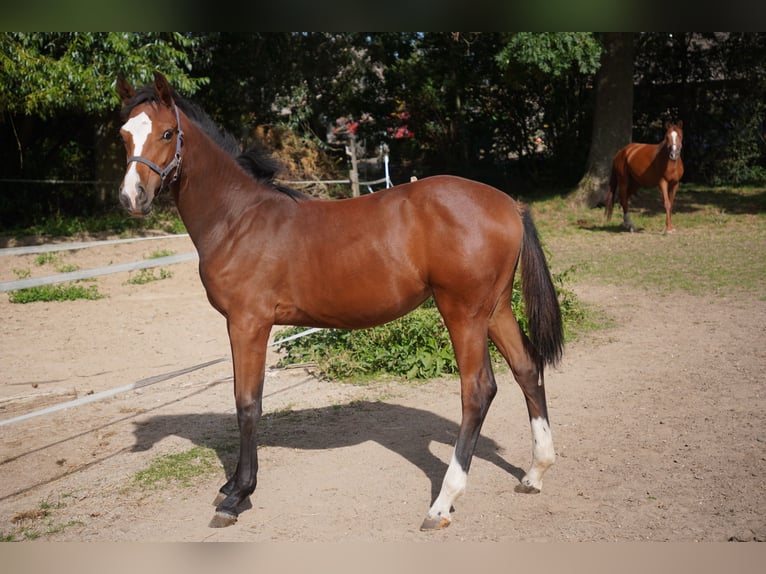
x=256 y=160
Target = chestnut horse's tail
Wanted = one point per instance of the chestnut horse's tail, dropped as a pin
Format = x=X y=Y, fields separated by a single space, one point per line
x=610 y=194
x=546 y=331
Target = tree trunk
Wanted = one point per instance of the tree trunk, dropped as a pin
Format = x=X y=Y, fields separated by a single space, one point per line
x=612 y=116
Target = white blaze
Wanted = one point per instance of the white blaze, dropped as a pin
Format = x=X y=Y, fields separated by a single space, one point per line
x=139 y=127
x=674 y=142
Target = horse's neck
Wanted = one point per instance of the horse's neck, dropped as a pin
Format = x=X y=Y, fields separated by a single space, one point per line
x=212 y=189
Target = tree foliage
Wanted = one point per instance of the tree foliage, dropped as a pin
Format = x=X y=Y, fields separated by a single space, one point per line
x=52 y=72
x=553 y=53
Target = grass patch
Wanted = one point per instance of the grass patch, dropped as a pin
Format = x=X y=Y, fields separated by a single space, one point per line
x=46 y=258
x=57 y=292
x=719 y=246
x=39 y=522
x=178 y=468
x=147 y=276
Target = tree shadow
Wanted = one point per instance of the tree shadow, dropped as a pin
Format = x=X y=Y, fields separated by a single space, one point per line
x=404 y=430
x=690 y=200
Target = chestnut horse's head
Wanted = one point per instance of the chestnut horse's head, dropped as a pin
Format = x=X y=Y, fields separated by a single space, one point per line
x=153 y=139
x=674 y=138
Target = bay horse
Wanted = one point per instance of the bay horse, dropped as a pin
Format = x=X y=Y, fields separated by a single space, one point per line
x=269 y=255
x=643 y=165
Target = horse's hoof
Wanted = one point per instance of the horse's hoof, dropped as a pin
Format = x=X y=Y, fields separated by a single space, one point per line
x=669 y=232
x=526 y=489
x=222 y=520
x=435 y=523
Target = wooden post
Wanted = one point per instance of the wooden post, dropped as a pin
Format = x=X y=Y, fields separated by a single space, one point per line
x=354 y=173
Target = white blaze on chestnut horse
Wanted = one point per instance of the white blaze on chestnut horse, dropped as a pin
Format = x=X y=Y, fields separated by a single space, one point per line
x=269 y=256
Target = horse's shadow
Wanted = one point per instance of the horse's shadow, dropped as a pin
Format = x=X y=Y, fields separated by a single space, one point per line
x=404 y=430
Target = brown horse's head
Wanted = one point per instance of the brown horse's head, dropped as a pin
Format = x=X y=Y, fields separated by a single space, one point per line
x=153 y=139
x=674 y=138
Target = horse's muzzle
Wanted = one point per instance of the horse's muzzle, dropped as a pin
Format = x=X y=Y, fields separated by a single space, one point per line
x=139 y=205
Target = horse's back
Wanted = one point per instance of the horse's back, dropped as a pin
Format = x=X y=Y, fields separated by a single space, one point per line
x=438 y=206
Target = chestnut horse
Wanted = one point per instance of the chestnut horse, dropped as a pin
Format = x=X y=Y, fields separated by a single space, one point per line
x=272 y=256
x=642 y=165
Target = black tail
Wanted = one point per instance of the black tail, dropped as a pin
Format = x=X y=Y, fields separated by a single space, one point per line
x=546 y=330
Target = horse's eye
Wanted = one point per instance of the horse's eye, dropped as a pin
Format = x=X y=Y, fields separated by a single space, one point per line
x=167 y=135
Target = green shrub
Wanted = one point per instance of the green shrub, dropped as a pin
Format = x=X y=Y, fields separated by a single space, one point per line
x=416 y=346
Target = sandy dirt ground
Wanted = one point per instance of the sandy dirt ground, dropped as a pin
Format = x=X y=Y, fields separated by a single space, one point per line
x=658 y=423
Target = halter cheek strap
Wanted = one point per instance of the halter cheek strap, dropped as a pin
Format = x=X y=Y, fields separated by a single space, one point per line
x=174 y=164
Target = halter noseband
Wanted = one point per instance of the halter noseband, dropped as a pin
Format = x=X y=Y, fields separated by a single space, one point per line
x=175 y=163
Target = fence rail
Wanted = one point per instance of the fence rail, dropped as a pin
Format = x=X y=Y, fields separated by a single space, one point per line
x=95 y=272
x=51 y=247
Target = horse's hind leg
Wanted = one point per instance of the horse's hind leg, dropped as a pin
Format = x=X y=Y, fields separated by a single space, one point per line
x=478 y=388
x=626 y=190
x=518 y=352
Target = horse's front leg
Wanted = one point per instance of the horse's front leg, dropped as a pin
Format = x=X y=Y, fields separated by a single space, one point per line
x=668 y=197
x=248 y=351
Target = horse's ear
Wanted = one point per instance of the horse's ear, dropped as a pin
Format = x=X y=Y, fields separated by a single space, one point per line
x=163 y=89
x=124 y=89
x=680 y=124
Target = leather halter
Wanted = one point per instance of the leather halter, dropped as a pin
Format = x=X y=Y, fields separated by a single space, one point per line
x=175 y=163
